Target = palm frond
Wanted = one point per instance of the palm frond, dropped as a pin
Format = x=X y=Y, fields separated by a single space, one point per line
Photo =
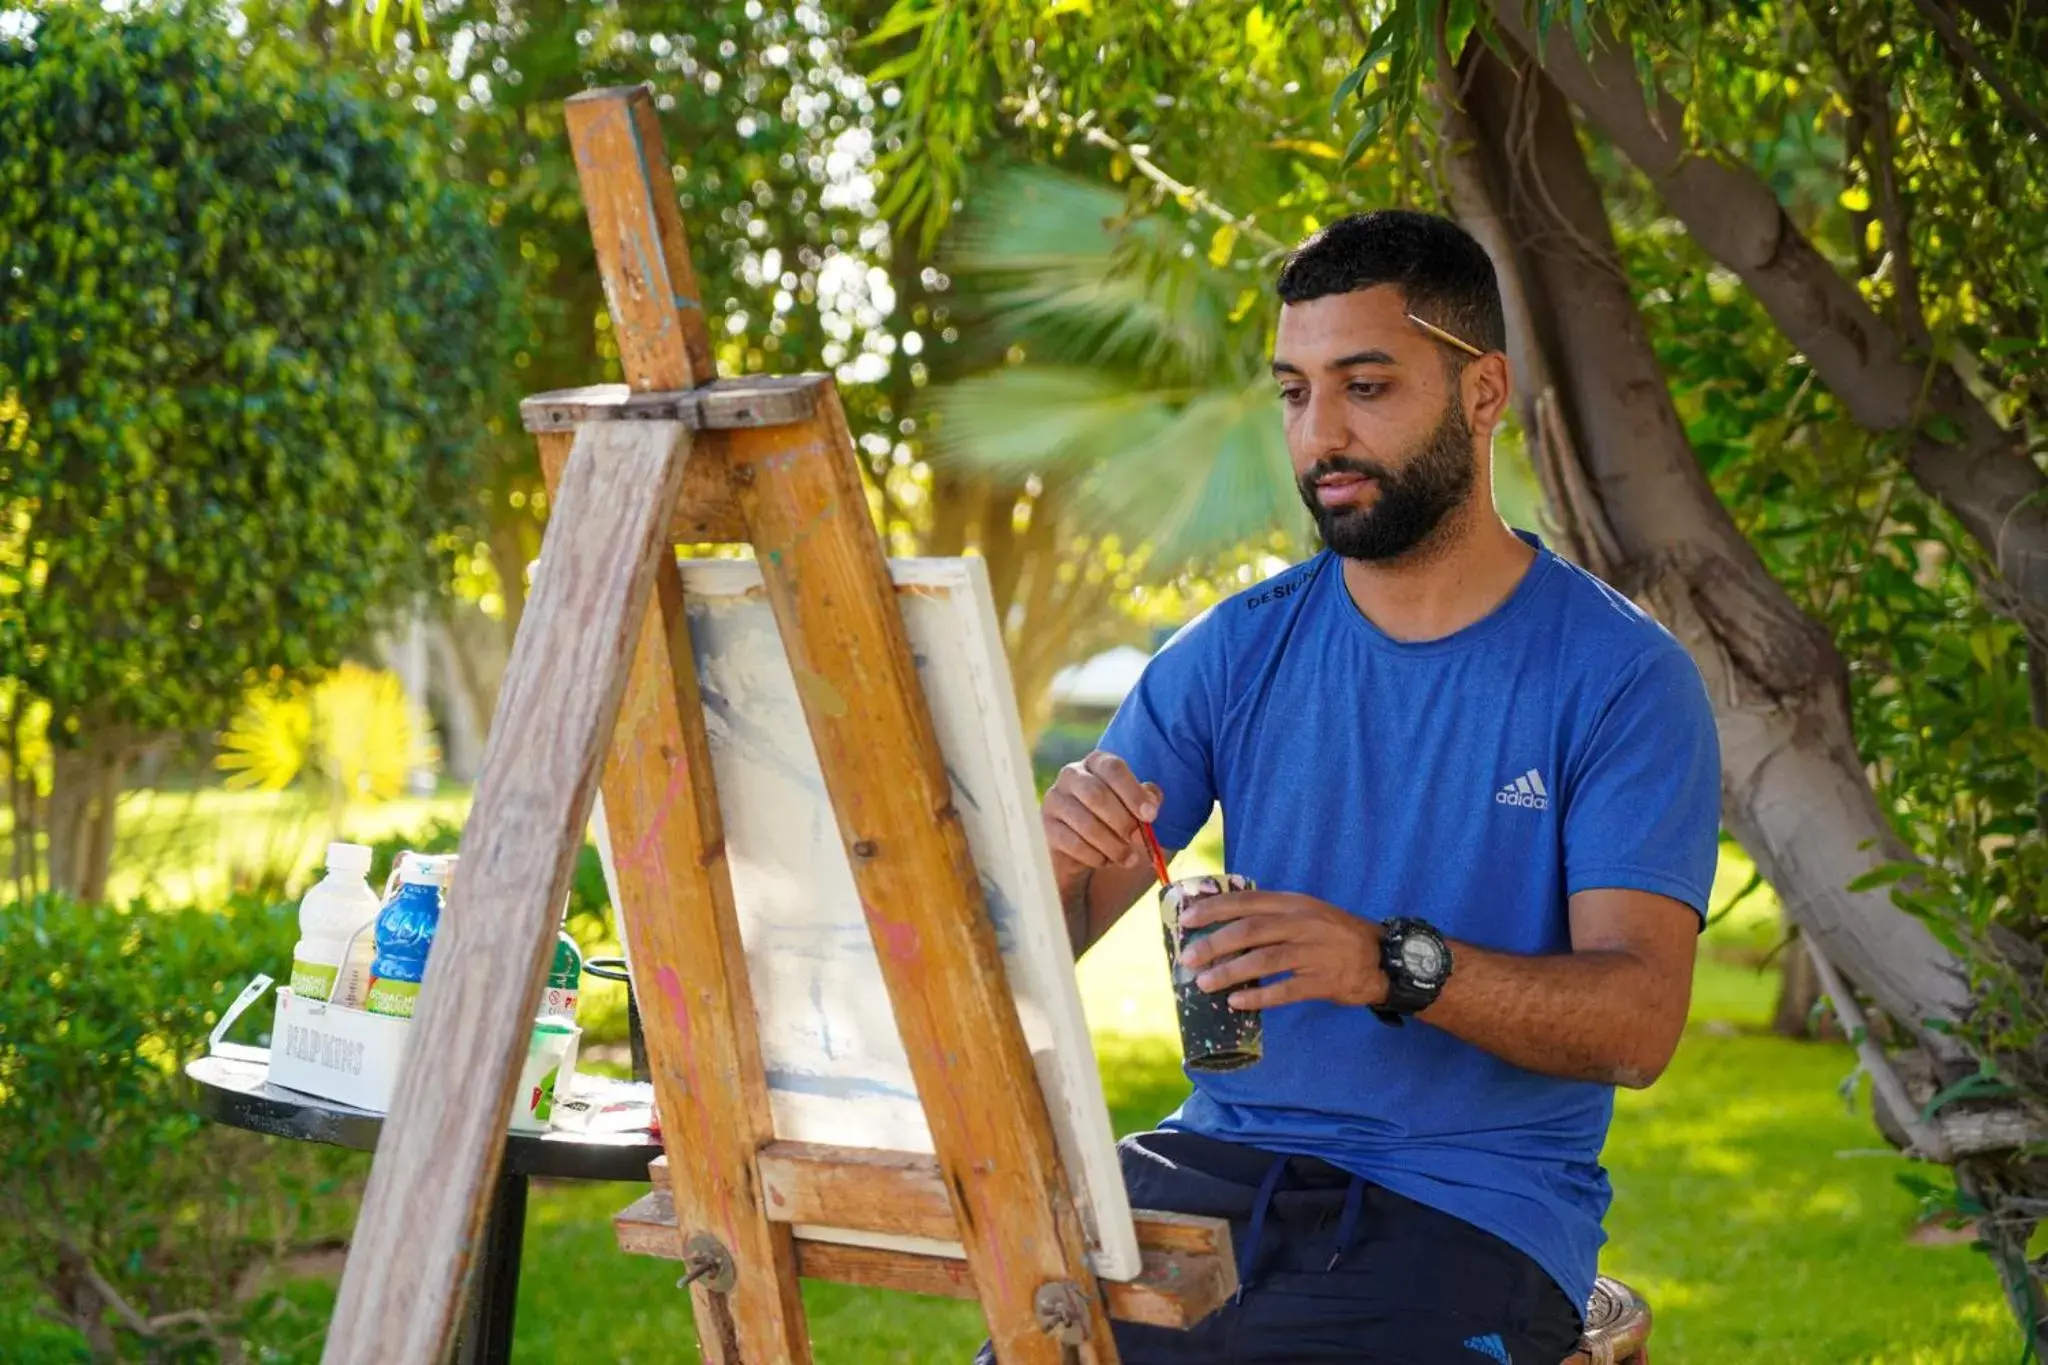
x=1215 y=477
x=269 y=743
x=1053 y=263
x=1022 y=419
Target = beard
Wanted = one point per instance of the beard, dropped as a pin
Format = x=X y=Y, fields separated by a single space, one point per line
x=1433 y=481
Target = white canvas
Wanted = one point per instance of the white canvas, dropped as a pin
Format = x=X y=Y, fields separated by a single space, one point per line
x=837 y=1072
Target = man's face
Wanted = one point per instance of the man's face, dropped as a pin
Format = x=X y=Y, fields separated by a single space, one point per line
x=1375 y=421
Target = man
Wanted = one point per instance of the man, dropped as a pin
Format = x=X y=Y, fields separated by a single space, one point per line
x=1478 y=792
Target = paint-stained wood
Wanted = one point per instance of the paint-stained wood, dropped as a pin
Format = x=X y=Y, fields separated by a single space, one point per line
x=706 y=511
x=826 y=579
x=850 y=1187
x=696 y=1004
x=661 y=807
x=438 y=1158
x=902 y=1193
x=1177 y=1287
x=1186 y=1233
x=753 y=401
x=643 y=252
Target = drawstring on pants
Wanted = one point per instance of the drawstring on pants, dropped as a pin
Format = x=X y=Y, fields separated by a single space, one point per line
x=1264 y=1202
x=1347 y=1223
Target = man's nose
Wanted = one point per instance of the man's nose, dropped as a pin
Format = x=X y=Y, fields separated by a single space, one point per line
x=1323 y=431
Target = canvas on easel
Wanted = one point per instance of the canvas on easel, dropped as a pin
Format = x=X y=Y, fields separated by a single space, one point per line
x=835 y=1063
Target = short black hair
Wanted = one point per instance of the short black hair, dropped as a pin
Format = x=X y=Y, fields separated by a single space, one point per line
x=1443 y=273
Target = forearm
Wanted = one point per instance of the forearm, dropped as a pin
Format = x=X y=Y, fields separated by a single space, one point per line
x=1097 y=899
x=1605 y=1016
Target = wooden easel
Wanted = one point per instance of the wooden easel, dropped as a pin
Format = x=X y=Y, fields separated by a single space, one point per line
x=603 y=654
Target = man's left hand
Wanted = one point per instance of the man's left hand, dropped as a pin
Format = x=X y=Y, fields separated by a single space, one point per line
x=1331 y=953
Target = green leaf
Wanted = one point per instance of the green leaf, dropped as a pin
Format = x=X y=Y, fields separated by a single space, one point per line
x=1885 y=874
x=1983 y=1085
x=1376 y=42
x=1221 y=244
x=1373 y=117
x=905 y=16
x=2033 y=742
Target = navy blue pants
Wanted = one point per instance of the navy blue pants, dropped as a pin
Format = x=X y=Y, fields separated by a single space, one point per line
x=1335 y=1269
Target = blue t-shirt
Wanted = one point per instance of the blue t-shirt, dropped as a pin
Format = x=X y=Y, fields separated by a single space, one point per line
x=1562 y=742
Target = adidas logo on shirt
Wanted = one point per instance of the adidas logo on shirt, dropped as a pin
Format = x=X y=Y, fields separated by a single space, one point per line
x=1490 y=1346
x=1526 y=790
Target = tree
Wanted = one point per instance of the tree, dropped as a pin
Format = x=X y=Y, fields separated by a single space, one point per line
x=247 y=339
x=1815 y=457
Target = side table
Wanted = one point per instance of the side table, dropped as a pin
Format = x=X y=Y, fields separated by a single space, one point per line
x=236 y=1092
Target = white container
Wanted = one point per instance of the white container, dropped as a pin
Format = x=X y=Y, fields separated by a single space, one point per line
x=353 y=1057
x=333 y=912
x=336 y=1053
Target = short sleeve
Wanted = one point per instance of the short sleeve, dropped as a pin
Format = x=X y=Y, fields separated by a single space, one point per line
x=1643 y=807
x=1166 y=729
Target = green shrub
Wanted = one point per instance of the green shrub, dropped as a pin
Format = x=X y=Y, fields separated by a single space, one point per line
x=112 y=1188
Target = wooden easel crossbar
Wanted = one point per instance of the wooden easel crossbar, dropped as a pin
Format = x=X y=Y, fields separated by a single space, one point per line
x=602 y=687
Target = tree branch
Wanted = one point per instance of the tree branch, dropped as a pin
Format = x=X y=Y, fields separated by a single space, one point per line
x=1923 y=1140
x=1944 y=23
x=1872 y=143
x=1085 y=128
x=2010 y=18
x=1980 y=472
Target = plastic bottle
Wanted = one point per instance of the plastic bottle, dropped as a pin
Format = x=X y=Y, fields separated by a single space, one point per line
x=565 y=981
x=338 y=905
x=405 y=934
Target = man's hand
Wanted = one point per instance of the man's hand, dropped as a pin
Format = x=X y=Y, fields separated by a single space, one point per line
x=1099 y=858
x=1331 y=953
x=1091 y=814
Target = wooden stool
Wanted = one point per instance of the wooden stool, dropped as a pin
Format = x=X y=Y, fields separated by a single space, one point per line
x=1617 y=1327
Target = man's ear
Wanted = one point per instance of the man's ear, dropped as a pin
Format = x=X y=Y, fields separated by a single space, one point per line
x=1486 y=386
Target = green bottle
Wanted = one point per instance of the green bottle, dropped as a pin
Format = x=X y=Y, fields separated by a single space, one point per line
x=565 y=981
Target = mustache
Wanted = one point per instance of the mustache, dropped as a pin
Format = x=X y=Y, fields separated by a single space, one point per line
x=1344 y=464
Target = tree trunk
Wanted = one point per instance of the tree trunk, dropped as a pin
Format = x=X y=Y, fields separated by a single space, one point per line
x=1798 y=988
x=469 y=653
x=956 y=505
x=1984 y=476
x=1618 y=468
x=85 y=786
x=509 y=534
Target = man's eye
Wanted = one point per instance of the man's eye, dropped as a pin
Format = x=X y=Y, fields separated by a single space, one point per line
x=1294 y=398
x=1366 y=388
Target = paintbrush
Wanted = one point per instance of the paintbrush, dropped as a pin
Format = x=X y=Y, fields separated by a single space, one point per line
x=1158 y=858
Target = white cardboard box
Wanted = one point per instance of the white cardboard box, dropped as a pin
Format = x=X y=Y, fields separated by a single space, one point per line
x=337 y=1053
x=353 y=1057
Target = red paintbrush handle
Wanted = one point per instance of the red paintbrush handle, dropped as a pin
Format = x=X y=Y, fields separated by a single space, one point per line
x=1158 y=857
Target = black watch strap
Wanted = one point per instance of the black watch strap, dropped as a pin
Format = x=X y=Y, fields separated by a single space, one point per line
x=1405 y=994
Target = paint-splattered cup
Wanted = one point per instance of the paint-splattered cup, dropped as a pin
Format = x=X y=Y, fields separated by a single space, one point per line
x=1213 y=1036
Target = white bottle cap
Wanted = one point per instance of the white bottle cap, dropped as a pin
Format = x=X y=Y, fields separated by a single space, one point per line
x=423 y=869
x=348 y=858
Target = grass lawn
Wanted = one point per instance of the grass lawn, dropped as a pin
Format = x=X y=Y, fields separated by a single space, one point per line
x=1762 y=1217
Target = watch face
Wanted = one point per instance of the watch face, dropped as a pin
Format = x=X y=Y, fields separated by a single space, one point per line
x=1423 y=959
